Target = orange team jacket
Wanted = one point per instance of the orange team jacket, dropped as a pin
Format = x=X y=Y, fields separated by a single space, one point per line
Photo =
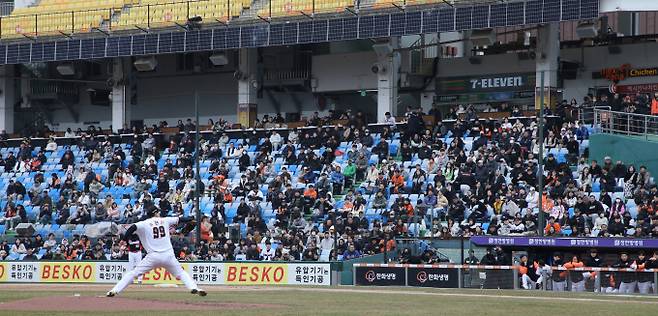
x=398 y=180
x=311 y=193
x=556 y=226
x=572 y=265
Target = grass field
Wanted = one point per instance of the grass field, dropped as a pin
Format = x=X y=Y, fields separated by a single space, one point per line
x=327 y=301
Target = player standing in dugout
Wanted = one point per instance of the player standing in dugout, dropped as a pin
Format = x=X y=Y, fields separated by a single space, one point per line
x=154 y=236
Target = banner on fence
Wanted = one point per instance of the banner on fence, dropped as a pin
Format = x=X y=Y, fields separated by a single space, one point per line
x=233 y=273
x=433 y=277
x=380 y=276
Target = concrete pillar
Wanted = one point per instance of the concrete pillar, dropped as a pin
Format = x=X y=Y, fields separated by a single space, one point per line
x=121 y=94
x=7 y=98
x=247 y=87
x=548 y=54
x=387 y=80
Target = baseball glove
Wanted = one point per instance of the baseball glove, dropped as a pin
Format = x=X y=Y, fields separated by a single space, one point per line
x=190 y=226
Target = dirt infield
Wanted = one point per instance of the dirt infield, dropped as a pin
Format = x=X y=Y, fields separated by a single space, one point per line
x=115 y=304
x=68 y=301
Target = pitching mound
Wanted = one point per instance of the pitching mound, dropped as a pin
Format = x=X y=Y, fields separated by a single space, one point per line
x=118 y=304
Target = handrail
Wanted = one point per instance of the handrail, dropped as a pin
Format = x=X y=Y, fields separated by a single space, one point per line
x=615 y=122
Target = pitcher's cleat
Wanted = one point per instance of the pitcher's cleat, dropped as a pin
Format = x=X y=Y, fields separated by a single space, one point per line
x=110 y=294
x=199 y=292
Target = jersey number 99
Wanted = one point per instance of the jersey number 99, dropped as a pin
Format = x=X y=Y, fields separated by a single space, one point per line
x=158 y=232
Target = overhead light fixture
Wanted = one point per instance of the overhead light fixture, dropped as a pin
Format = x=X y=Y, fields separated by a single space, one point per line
x=587 y=30
x=145 y=64
x=382 y=50
x=66 y=69
x=218 y=59
x=482 y=38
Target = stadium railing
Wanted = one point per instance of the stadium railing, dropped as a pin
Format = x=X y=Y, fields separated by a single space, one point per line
x=594 y=280
x=624 y=123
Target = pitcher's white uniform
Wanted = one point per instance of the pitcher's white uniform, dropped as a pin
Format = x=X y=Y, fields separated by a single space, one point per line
x=154 y=235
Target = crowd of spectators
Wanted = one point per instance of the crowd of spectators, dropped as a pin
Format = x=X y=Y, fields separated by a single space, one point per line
x=472 y=177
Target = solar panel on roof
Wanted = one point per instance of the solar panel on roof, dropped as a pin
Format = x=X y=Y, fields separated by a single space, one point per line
x=382 y=24
x=86 y=48
x=498 y=15
x=205 y=39
x=335 y=30
x=290 y=34
x=138 y=44
x=515 y=13
x=164 y=43
x=276 y=34
x=61 y=50
x=589 y=9
x=430 y=21
x=480 y=17
x=366 y=26
x=3 y=53
x=305 y=32
x=219 y=39
x=99 y=48
x=192 y=41
x=414 y=23
x=12 y=54
x=112 y=49
x=464 y=18
x=446 y=20
x=125 y=45
x=37 y=52
x=151 y=44
x=571 y=9
x=397 y=24
x=320 y=31
x=551 y=10
x=74 y=50
x=261 y=35
x=48 y=51
x=533 y=11
x=233 y=37
x=177 y=42
x=350 y=28
x=24 y=52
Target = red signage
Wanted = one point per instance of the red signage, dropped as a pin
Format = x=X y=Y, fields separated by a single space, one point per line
x=637 y=88
x=627 y=71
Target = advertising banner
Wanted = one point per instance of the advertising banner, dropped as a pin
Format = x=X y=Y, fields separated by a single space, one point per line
x=3 y=272
x=489 y=83
x=433 y=277
x=70 y=272
x=233 y=273
x=565 y=242
x=380 y=276
x=22 y=271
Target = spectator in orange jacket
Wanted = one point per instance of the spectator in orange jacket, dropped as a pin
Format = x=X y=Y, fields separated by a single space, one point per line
x=552 y=228
x=310 y=192
x=398 y=182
